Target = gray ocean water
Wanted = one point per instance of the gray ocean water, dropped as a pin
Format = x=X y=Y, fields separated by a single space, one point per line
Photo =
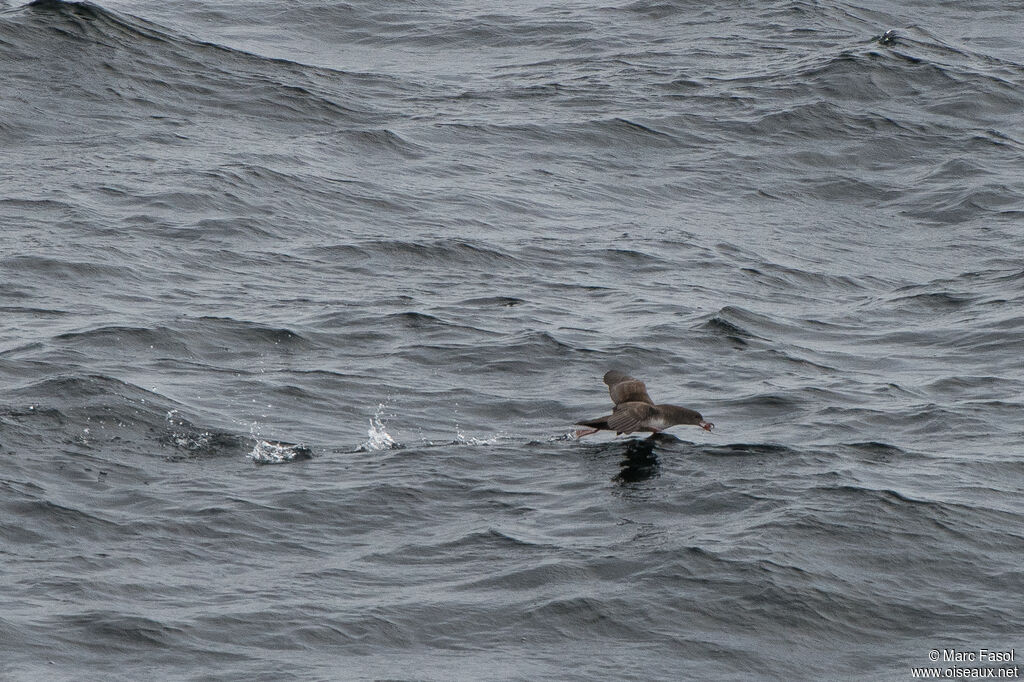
x=300 y=301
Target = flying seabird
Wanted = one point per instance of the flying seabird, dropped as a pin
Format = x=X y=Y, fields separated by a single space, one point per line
x=635 y=411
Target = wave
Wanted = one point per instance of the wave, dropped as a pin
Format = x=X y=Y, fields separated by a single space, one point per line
x=124 y=65
x=390 y=252
x=99 y=413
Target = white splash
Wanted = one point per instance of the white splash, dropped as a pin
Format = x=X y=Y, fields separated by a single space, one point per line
x=463 y=439
x=379 y=438
x=255 y=431
x=269 y=452
x=272 y=451
x=183 y=434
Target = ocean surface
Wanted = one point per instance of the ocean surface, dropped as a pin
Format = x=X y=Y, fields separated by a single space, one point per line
x=300 y=301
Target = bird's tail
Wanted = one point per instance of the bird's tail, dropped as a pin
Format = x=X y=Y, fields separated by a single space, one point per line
x=599 y=423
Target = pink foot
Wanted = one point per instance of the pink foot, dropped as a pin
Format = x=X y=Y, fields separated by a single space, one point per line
x=585 y=432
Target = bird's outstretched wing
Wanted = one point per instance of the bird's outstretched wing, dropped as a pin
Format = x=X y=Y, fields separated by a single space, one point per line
x=626 y=389
x=629 y=417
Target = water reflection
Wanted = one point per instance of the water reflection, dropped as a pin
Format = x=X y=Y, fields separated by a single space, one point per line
x=641 y=461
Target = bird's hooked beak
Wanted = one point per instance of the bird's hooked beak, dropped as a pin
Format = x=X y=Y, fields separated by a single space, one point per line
x=707 y=426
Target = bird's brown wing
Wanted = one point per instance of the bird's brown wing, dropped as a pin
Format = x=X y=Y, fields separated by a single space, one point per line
x=626 y=389
x=629 y=417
